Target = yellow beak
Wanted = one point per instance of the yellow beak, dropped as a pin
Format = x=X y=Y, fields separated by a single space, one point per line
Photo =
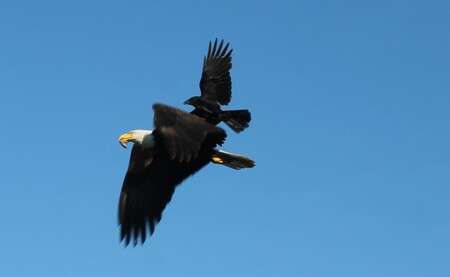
x=124 y=139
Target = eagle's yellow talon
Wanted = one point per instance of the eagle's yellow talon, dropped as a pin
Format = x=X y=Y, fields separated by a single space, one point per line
x=217 y=160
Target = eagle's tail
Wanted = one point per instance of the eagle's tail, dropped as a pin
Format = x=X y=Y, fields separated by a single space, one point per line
x=237 y=120
x=231 y=160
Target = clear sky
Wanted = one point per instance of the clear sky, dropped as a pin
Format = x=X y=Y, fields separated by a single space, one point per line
x=350 y=133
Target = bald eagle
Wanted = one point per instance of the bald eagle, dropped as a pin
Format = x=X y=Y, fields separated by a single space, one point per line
x=215 y=87
x=179 y=146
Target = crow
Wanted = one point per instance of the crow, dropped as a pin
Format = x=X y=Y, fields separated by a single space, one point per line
x=215 y=87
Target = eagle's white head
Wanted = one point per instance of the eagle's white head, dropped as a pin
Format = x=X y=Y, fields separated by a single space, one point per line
x=141 y=137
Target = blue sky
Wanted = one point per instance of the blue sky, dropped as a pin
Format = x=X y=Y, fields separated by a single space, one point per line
x=350 y=133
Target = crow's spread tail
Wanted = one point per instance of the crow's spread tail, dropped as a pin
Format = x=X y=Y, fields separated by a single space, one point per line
x=231 y=160
x=237 y=120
